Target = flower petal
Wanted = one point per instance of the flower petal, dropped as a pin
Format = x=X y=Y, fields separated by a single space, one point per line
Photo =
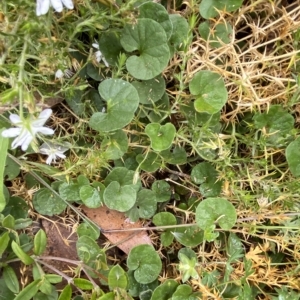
x=15 y=119
x=57 y=5
x=45 y=130
x=42 y=7
x=23 y=140
x=42 y=118
x=68 y=3
x=50 y=158
x=95 y=45
x=59 y=74
x=11 y=132
x=60 y=155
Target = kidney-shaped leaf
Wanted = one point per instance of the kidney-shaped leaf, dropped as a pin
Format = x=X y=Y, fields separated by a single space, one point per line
x=145 y=262
x=161 y=136
x=213 y=210
x=210 y=90
x=150 y=40
x=120 y=198
x=48 y=204
x=122 y=101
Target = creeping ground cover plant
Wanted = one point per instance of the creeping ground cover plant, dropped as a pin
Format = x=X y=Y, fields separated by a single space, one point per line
x=149 y=150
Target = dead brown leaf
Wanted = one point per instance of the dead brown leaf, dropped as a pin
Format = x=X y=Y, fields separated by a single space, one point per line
x=112 y=219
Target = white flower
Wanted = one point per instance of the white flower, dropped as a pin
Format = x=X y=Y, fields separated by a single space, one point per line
x=59 y=74
x=53 y=151
x=98 y=54
x=27 y=129
x=42 y=6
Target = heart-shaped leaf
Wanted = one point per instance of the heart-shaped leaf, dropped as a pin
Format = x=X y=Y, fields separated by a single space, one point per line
x=157 y=12
x=210 y=90
x=161 y=136
x=145 y=262
x=120 y=198
x=150 y=40
x=122 y=101
x=213 y=210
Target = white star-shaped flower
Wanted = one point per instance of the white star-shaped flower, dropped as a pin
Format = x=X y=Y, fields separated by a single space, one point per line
x=98 y=54
x=42 y=6
x=26 y=129
x=53 y=151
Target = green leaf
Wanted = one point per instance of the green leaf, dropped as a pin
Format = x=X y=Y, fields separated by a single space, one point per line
x=53 y=278
x=188 y=263
x=184 y=291
x=144 y=207
x=12 y=169
x=87 y=249
x=209 y=8
x=162 y=190
x=165 y=290
x=117 y=278
x=206 y=175
x=24 y=257
x=122 y=101
x=277 y=124
x=163 y=219
x=89 y=230
x=124 y=177
x=157 y=12
x=110 y=46
x=94 y=72
x=175 y=156
x=213 y=210
x=6 y=293
x=40 y=242
x=90 y=196
x=74 y=100
x=150 y=91
x=190 y=236
x=120 y=198
x=29 y=291
x=161 y=136
x=22 y=223
x=292 y=154
x=11 y=279
x=83 y=284
x=3 y=151
x=9 y=222
x=66 y=293
x=45 y=286
x=115 y=145
x=136 y=289
x=69 y=191
x=17 y=207
x=149 y=162
x=4 y=240
x=210 y=90
x=218 y=35
x=180 y=30
x=48 y=204
x=150 y=40
x=145 y=262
